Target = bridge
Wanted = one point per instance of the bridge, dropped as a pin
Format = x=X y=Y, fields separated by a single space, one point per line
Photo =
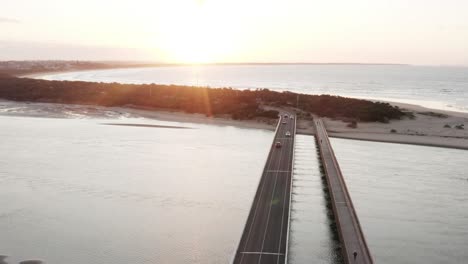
x=266 y=231
x=354 y=245
x=264 y=239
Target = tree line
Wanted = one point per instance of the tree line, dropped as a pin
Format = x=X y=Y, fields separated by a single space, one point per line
x=238 y=104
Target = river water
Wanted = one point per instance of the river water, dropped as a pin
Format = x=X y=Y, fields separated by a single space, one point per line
x=77 y=191
x=412 y=202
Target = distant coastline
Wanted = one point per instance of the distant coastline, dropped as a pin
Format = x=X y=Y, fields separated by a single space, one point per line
x=77 y=66
x=299 y=63
x=128 y=65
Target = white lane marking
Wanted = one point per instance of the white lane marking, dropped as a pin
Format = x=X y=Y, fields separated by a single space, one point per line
x=269 y=208
x=258 y=201
x=263 y=253
x=284 y=199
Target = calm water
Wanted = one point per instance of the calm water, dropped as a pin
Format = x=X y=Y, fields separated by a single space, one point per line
x=413 y=206
x=75 y=191
x=436 y=87
x=412 y=201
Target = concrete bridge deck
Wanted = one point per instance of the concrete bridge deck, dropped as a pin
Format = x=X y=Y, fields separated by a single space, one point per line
x=354 y=245
x=265 y=235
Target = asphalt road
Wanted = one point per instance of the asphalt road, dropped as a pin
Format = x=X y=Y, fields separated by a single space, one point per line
x=264 y=239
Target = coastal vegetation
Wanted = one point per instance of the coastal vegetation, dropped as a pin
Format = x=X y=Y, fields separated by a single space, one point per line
x=238 y=104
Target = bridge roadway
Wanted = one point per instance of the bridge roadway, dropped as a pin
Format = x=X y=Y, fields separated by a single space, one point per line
x=265 y=235
x=349 y=229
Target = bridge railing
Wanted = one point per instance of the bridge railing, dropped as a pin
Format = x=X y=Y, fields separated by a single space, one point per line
x=290 y=192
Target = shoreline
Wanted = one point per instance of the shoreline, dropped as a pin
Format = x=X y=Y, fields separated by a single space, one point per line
x=69 y=111
x=428 y=127
x=397 y=141
x=39 y=75
x=429 y=131
x=182 y=117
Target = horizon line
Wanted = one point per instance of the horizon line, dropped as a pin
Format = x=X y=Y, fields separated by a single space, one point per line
x=155 y=63
x=205 y=63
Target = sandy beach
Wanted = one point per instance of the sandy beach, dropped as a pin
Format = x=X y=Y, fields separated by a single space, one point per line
x=429 y=127
x=198 y=118
x=48 y=110
x=42 y=74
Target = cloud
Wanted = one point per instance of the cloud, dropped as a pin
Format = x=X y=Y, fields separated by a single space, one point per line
x=8 y=20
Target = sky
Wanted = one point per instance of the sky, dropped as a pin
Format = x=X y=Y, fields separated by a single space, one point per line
x=425 y=32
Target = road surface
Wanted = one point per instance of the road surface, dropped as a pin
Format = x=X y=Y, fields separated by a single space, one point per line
x=265 y=235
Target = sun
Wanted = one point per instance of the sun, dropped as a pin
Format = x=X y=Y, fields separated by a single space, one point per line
x=200 y=33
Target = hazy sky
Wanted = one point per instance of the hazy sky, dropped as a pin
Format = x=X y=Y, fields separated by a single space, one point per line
x=393 y=31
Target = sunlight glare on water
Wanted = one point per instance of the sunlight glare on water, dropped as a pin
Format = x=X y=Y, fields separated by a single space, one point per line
x=76 y=191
